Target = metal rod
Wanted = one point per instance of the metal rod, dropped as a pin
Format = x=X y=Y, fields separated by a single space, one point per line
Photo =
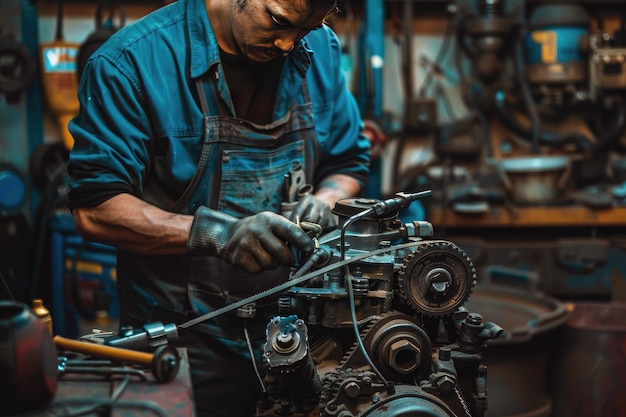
x=104 y=351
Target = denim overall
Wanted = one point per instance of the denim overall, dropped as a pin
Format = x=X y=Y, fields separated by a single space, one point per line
x=244 y=174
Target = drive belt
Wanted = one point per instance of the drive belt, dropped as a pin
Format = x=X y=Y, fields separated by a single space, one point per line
x=297 y=279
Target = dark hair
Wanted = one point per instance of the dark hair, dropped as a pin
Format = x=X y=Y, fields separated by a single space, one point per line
x=337 y=3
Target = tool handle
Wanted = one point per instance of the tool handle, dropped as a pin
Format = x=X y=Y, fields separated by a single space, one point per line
x=103 y=351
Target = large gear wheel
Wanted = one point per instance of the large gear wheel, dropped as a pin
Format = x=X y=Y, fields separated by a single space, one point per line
x=437 y=278
x=397 y=345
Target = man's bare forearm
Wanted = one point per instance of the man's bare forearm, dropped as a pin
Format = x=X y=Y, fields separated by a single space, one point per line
x=337 y=187
x=128 y=223
x=131 y=224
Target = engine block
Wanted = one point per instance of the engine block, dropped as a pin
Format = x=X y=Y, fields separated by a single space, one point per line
x=383 y=333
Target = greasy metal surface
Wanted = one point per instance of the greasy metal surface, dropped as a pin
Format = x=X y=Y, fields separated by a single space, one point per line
x=174 y=398
x=590 y=366
x=518 y=361
x=522 y=314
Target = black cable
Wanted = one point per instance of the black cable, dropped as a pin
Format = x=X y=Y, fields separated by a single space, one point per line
x=390 y=387
x=59 y=29
x=114 y=397
x=50 y=195
x=464 y=83
x=348 y=280
x=437 y=63
x=445 y=99
x=129 y=404
x=5 y=284
x=582 y=142
x=610 y=136
x=531 y=107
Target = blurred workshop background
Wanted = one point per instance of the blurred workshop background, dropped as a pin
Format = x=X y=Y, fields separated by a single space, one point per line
x=512 y=112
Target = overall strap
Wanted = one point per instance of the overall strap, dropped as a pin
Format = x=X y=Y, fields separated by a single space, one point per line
x=204 y=155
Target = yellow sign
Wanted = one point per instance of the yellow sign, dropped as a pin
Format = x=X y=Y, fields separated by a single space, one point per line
x=548 y=41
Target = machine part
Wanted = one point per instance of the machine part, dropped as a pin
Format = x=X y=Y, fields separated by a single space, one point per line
x=149 y=337
x=286 y=342
x=490 y=33
x=535 y=179
x=553 y=46
x=12 y=190
x=583 y=256
x=163 y=363
x=398 y=345
x=422 y=114
x=318 y=258
x=318 y=352
x=290 y=368
x=47 y=162
x=607 y=65
x=458 y=140
x=17 y=67
x=96 y=367
x=358 y=393
x=503 y=110
x=437 y=278
x=374 y=221
x=473 y=332
x=285 y=286
x=519 y=359
x=551 y=72
x=247 y=312
x=296 y=187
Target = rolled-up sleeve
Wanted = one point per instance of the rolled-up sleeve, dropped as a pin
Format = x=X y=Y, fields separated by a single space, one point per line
x=111 y=135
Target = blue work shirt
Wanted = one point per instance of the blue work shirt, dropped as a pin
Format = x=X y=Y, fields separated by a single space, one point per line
x=140 y=124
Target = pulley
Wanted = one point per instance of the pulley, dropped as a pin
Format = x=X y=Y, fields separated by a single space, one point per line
x=436 y=279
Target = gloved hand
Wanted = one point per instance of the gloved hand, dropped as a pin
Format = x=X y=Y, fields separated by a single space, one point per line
x=254 y=243
x=311 y=209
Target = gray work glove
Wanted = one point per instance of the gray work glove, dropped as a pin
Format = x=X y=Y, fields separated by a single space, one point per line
x=254 y=243
x=314 y=210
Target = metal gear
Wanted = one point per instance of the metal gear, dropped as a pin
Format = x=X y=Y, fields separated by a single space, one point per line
x=396 y=343
x=437 y=278
x=399 y=347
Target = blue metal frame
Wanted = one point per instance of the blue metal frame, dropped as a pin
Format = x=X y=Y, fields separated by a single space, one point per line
x=371 y=60
x=34 y=98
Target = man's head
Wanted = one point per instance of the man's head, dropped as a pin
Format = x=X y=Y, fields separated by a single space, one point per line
x=264 y=29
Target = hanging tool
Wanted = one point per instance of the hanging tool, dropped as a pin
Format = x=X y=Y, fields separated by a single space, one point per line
x=296 y=187
x=59 y=78
x=105 y=28
x=17 y=67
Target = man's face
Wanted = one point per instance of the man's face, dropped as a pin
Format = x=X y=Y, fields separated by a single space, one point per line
x=262 y=30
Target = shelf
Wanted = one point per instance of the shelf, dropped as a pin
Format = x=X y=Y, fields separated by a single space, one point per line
x=521 y=217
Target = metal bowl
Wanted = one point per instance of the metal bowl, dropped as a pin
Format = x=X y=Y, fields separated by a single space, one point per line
x=535 y=179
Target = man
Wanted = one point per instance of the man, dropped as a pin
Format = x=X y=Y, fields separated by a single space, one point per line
x=190 y=121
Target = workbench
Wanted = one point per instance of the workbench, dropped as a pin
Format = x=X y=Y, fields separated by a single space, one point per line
x=138 y=396
x=540 y=216
x=571 y=251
